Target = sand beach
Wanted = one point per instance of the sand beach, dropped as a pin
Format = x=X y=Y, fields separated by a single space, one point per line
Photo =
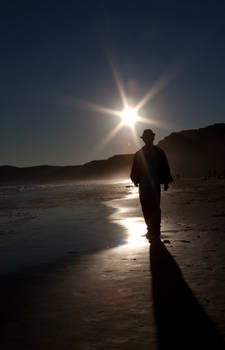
x=125 y=293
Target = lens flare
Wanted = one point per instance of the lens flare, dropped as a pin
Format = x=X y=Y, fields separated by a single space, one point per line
x=129 y=116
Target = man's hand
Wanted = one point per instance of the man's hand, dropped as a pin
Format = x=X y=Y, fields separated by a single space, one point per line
x=166 y=186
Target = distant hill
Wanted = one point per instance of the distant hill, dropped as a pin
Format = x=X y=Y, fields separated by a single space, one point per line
x=190 y=153
x=195 y=152
x=117 y=166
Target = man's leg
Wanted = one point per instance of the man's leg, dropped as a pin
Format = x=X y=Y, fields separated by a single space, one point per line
x=145 y=204
x=150 y=202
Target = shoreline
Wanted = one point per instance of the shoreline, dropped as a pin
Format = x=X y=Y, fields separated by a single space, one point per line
x=39 y=229
x=132 y=296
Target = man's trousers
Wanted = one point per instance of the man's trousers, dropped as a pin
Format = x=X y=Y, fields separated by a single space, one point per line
x=150 y=202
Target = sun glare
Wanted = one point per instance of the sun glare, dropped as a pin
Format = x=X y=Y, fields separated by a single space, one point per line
x=129 y=116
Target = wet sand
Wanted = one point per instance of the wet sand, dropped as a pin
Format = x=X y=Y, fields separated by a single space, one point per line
x=136 y=296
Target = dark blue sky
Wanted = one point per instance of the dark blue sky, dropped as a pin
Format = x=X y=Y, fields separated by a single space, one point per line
x=56 y=52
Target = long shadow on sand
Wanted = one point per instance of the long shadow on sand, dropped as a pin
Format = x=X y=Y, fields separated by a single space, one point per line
x=181 y=321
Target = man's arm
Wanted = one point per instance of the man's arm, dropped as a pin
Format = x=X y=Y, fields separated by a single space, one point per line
x=165 y=176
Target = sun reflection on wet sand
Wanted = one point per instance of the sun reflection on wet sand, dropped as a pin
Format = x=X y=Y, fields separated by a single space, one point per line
x=136 y=229
x=134 y=225
x=133 y=193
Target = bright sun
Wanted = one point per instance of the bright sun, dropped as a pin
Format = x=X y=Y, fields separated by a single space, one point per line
x=129 y=116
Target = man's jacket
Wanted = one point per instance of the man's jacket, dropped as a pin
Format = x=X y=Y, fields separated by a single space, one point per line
x=150 y=167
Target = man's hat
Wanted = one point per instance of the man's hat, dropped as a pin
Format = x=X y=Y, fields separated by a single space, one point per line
x=147 y=133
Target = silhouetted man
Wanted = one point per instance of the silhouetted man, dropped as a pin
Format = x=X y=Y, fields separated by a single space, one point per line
x=150 y=169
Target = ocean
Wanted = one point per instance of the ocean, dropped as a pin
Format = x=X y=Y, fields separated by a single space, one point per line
x=40 y=223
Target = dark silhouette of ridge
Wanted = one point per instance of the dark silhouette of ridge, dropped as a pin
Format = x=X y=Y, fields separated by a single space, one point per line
x=117 y=166
x=195 y=152
x=190 y=153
